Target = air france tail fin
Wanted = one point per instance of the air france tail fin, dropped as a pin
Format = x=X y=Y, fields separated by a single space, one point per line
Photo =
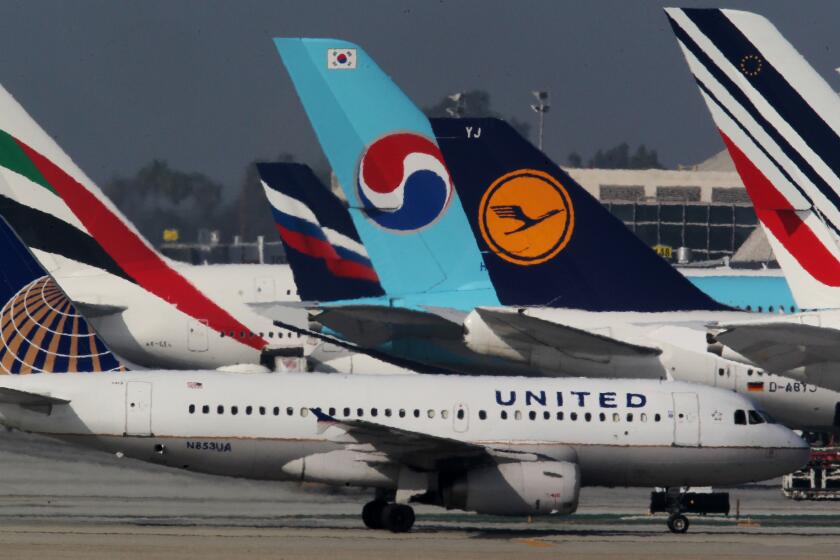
x=40 y=330
x=328 y=260
x=780 y=122
x=383 y=151
x=545 y=240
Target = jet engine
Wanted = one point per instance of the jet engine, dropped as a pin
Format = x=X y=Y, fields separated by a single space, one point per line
x=532 y=488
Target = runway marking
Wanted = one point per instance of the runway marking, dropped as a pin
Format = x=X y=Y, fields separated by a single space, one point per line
x=534 y=543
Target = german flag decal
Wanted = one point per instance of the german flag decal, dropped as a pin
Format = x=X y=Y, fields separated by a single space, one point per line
x=755 y=386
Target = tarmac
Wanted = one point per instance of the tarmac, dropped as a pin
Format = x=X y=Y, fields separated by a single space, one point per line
x=60 y=501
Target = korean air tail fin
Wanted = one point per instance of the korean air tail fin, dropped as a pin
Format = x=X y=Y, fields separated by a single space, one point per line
x=780 y=122
x=545 y=240
x=40 y=330
x=382 y=149
x=328 y=260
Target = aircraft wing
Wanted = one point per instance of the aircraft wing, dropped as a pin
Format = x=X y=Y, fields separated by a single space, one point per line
x=372 y=325
x=516 y=326
x=96 y=310
x=34 y=401
x=780 y=345
x=420 y=451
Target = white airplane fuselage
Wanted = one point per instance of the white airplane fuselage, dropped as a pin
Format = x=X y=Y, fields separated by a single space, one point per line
x=619 y=432
x=685 y=356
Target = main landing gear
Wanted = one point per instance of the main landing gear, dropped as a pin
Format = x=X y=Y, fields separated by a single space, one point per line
x=379 y=514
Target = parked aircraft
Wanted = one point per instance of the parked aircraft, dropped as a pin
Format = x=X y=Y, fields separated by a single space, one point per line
x=153 y=311
x=553 y=253
x=495 y=445
x=779 y=120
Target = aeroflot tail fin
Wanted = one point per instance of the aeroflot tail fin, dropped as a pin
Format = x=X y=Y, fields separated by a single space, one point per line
x=328 y=260
x=40 y=331
x=546 y=241
x=383 y=151
x=780 y=122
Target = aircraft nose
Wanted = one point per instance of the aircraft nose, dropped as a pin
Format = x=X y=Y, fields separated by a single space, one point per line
x=794 y=453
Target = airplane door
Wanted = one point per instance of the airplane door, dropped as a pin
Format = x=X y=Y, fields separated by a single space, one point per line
x=197 y=336
x=460 y=418
x=264 y=289
x=686 y=420
x=725 y=374
x=138 y=408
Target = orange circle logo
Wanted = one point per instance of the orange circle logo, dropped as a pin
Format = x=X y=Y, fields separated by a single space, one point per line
x=526 y=217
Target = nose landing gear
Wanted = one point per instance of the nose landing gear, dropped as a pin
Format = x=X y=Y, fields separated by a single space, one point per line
x=379 y=514
x=678 y=523
x=676 y=502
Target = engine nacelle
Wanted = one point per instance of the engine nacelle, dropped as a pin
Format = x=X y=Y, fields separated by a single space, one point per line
x=537 y=488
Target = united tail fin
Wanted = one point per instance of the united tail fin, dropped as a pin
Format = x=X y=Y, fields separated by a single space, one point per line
x=780 y=122
x=383 y=151
x=328 y=260
x=40 y=330
x=545 y=240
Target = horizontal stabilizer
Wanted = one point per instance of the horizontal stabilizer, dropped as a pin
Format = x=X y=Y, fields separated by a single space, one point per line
x=34 y=401
x=97 y=310
x=372 y=325
x=517 y=326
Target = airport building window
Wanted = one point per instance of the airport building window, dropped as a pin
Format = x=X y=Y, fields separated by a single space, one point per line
x=573 y=416
x=402 y=413
x=503 y=415
x=482 y=415
x=532 y=415
x=740 y=417
x=588 y=416
x=205 y=409
x=517 y=415
x=220 y=409
x=276 y=411
x=289 y=411
x=559 y=414
x=249 y=409
x=192 y=409
x=234 y=410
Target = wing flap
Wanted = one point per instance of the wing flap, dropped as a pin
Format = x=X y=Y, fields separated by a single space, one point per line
x=780 y=346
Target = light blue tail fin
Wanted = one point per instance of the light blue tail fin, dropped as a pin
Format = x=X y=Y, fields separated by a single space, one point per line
x=383 y=151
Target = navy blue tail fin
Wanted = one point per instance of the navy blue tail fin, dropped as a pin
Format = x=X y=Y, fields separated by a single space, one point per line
x=545 y=240
x=328 y=260
x=40 y=330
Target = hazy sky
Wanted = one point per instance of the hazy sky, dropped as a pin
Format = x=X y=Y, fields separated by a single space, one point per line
x=199 y=83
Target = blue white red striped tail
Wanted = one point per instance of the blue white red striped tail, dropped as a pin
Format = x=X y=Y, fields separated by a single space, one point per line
x=327 y=258
x=780 y=122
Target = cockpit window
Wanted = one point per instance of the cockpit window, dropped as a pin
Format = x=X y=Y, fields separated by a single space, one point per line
x=740 y=417
x=755 y=417
x=767 y=418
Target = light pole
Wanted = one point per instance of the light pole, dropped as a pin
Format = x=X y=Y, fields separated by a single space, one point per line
x=457 y=109
x=542 y=107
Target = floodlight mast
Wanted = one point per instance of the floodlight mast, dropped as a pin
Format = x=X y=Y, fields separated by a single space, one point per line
x=541 y=107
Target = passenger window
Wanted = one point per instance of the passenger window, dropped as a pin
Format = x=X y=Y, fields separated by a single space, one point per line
x=461 y=414
x=417 y=413
x=304 y=412
x=249 y=410
x=503 y=415
x=276 y=411
x=532 y=415
x=192 y=409
x=616 y=417
x=546 y=415
x=517 y=415
x=587 y=416
x=388 y=412
x=629 y=416
x=559 y=414
x=234 y=410
x=740 y=417
x=720 y=371
x=444 y=414
x=220 y=409
x=482 y=415
x=755 y=417
x=374 y=412
x=289 y=411
x=643 y=417
x=602 y=417
x=749 y=372
x=270 y=334
x=430 y=413
x=573 y=416
x=402 y=413
x=332 y=411
x=360 y=412
x=346 y=411
x=262 y=411
x=205 y=409
x=657 y=417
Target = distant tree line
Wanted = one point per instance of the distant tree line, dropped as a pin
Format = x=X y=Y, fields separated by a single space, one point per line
x=619 y=157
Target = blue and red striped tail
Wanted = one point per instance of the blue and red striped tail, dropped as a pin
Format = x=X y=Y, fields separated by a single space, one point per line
x=328 y=260
x=40 y=330
x=780 y=122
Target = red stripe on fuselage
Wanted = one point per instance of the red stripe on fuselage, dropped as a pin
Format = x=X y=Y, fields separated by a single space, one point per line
x=320 y=249
x=135 y=257
x=777 y=214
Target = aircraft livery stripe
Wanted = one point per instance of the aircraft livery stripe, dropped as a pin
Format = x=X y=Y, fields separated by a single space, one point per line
x=136 y=258
x=786 y=225
x=15 y=159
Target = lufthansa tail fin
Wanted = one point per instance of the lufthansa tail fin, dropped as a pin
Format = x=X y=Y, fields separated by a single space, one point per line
x=780 y=122
x=545 y=240
x=383 y=151
x=328 y=260
x=40 y=330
